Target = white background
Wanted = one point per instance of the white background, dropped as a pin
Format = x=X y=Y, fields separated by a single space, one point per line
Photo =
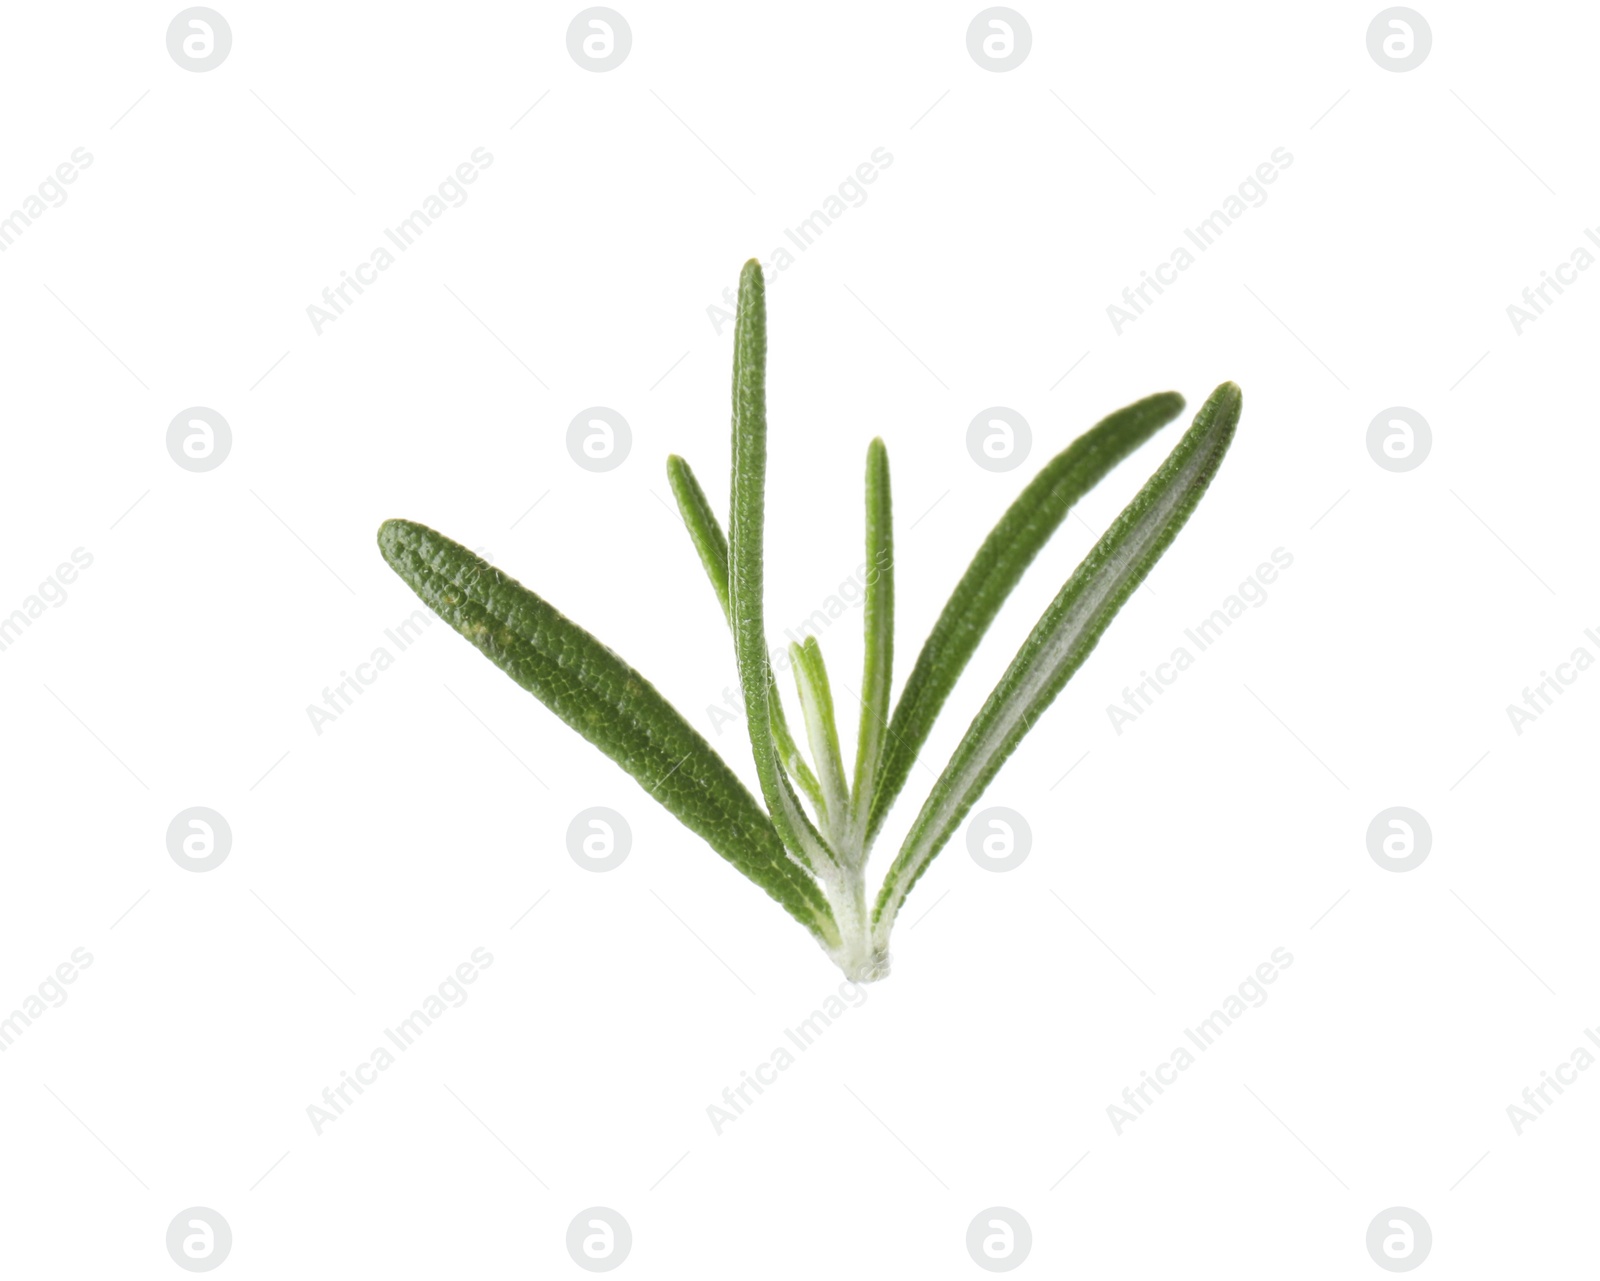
x=369 y=860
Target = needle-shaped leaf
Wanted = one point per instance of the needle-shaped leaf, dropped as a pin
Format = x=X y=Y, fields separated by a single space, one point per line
x=816 y=701
x=712 y=547
x=1062 y=639
x=609 y=703
x=746 y=580
x=1000 y=563
x=878 y=667
x=710 y=544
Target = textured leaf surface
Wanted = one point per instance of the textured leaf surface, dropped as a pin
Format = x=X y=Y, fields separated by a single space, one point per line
x=712 y=547
x=746 y=575
x=878 y=623
x=1063 y=638
x=1006 y=553
x=710 y=544
x=598 y=694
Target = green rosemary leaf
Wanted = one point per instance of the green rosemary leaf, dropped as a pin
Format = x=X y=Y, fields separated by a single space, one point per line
x=1000 y=563
x=1062 y=639
x=746 y=580
x=704 y=531
x=706 y=535
x=609 y=703
x=816 y=701
x=878 y=667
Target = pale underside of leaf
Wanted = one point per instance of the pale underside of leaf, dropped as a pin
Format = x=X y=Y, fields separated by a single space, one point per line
x=1062 y=639
x=999 y=564
x=822 y=733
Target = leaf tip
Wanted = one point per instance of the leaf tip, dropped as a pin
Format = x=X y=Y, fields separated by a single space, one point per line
x=751 y=277
x=392 y=534
x=1226 y=401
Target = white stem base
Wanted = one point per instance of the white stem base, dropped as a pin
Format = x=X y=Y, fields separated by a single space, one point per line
x=862 y=960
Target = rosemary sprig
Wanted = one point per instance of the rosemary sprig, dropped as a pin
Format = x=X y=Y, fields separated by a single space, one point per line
x=813 y=863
